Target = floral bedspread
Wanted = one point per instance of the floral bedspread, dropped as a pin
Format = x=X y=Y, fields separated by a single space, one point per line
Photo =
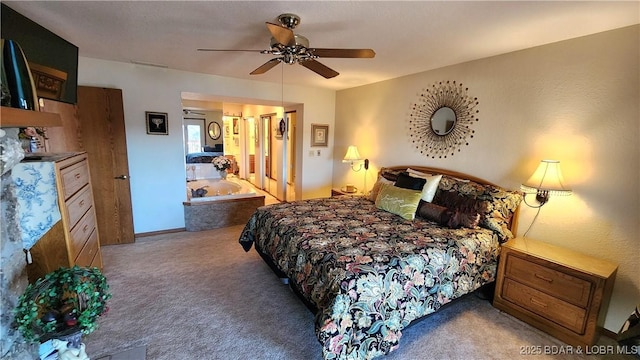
x=369 y=272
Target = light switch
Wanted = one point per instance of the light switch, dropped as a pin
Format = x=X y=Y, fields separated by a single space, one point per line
x=318 y=152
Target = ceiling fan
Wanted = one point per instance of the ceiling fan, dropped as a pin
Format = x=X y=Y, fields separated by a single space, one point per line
x=292 y=48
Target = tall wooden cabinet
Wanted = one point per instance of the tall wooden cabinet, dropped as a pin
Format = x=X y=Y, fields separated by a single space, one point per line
x=74 y=240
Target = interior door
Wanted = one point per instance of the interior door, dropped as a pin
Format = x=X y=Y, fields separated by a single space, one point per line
x=101 y=119
x=266 y=151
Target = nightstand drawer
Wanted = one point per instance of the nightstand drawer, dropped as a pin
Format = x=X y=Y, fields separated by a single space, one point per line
x=558 y=311
x=555 y=283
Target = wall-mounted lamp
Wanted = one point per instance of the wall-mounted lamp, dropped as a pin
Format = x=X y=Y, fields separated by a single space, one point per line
x=353 y=156
x=546 y=180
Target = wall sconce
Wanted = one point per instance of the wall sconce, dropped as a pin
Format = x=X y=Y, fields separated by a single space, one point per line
x=546 y=180
x=353 y=156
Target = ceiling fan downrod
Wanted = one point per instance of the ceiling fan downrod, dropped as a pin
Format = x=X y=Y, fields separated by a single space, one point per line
x=290 y=21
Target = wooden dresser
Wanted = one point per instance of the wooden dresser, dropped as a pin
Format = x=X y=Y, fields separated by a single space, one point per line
x=561 y=292
x=74 y=239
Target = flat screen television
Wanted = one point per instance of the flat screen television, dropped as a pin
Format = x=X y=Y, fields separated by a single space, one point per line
x=52 y=59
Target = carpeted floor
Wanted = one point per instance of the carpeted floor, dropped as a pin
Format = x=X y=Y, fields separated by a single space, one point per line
x=198 y=295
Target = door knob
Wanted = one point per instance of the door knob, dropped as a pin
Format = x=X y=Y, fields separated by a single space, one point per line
x=121 y=177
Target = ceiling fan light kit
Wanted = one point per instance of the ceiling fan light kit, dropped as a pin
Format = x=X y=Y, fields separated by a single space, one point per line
x=291 y=48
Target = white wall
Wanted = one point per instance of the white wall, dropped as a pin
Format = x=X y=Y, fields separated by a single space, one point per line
x=575 y=101
x=156 y=163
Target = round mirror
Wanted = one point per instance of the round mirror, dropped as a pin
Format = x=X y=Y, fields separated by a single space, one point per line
x=214 y=130
x=443 y=121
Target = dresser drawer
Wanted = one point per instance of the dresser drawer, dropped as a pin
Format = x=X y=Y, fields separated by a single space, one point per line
x=80 y=233
x=555 y=283
x=74 y=178
x=551 y=308
x=78 y=205
x=85 y=257
x=97 y=260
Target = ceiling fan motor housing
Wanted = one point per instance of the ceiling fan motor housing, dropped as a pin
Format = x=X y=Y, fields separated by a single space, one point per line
x=291 y=54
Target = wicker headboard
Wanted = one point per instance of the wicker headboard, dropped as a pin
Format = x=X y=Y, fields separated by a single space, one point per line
x=513 y=224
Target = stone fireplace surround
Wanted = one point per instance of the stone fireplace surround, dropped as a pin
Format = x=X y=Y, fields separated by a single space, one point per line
x=13 y=265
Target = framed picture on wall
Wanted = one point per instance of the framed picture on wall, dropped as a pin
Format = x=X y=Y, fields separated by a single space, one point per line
x=157 y=123
x=236 y=126
x=319 y=135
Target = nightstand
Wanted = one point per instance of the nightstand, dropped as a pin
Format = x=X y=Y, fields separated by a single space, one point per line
x=559 y=291
x=338 y=192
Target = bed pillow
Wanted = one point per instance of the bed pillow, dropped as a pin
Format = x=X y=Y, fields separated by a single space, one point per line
x=390 y=174
x=432 y=212
x=430 y=187
x=458 y=219
x=376 y=187
x=495 y=205
x=445 y=217
x=407 y=181
x=399 y=201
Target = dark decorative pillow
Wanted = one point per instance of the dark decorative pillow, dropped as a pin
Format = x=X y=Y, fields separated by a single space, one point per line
x=407 y=181
x=430 y=211
x=446 y=217
x=495 y=205
x=459 y=219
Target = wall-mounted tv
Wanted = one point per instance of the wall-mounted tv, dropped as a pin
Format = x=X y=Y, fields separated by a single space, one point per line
x=52 y=59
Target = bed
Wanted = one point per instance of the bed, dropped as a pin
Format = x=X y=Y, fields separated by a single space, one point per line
x=369 y=266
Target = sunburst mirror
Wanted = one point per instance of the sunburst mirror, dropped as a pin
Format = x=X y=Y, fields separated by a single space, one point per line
x=441 y=118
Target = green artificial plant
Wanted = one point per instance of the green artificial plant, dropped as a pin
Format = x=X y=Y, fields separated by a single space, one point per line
x=67 y=299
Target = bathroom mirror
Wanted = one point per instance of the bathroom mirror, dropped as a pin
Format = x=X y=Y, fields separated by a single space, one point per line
x=214 y=130
x=441 y=119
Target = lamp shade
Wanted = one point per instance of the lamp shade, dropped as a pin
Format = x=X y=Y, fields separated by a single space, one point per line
x=352 y=154
x=548 y=178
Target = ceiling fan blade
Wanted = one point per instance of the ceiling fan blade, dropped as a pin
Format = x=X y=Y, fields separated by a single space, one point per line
x=344 y=53
x=229 y=50
x=320 y=69
x=265 y=67
x=283 y=35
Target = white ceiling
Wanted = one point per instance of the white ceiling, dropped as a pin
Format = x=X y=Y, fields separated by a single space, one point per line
x=408 y=37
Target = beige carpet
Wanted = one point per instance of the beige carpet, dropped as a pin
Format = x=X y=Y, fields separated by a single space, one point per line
x=200 y=296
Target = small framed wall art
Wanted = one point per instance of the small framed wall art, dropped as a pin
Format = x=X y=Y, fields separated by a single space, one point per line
x=319 y=135
x=157 y=123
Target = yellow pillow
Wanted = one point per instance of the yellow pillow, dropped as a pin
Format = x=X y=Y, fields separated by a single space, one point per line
x=399 y=201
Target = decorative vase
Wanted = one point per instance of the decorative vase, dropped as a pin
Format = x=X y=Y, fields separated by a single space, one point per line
x=223 y=174
x=19 y=80
x=26 y=145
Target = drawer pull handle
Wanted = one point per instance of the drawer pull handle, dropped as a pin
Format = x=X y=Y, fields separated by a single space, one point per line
x=78 y=176
x=537 y=302
x=544 y=278
x=81 y=202
x=85 y=228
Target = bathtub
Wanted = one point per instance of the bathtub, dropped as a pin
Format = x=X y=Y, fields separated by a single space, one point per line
x=219 y=189
x=227 y=203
